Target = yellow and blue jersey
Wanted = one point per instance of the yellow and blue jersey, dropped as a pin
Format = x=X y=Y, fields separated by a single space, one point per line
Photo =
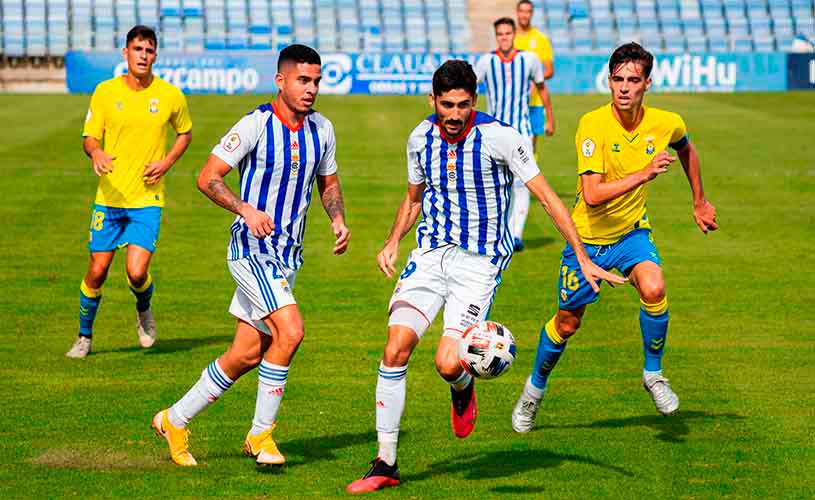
x=605 y=147
x=132 y=126
x=536 y=42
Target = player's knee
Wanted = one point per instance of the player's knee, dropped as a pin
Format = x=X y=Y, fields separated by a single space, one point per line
x=395 y=354
x=447 y=365
x=567 y=326
x=652 y=292
x=137 y=277
x=291 y=337
x=97 y=272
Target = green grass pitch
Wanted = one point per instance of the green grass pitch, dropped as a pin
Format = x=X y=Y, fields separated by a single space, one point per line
x=740 y=347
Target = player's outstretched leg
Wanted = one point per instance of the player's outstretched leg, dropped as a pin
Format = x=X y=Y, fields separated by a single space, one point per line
x=390 y=403
x=647 y=278
x=171 y=423
x=550 y=346
x=391 y=385
x=271 y=386
x=464 y=407
x=654 y=328
x=145 y=323
x=89 y=300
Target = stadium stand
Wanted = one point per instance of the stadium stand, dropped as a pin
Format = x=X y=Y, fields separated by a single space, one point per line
x=50 y=27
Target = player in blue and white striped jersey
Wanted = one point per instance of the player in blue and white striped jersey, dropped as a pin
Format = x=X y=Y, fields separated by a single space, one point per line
x=461 y=165
x=509 y=75
x=279 y=150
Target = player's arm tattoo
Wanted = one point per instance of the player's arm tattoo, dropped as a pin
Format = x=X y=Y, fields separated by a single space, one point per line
x=219 y=192
x=331 y=196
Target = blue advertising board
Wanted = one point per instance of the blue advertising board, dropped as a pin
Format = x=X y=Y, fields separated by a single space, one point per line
x=801 y=71
x=241 y=72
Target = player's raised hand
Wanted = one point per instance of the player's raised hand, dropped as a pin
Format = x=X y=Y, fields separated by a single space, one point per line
x=705 y=216
x=102 y=162
x=155 y=170
x=260 y=223
x=594 y=273
x=343 y=235
x=386 y=258
x=659 y=165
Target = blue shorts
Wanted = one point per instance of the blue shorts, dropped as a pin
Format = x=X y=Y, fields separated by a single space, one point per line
x=537 y=118
x=635 y=247
x=114 y=227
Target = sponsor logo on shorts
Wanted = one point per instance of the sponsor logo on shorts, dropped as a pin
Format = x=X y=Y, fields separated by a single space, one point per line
x=474 y=310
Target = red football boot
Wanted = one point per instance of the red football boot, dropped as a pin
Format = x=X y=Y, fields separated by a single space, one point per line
x=464 y=411
x=379 y=476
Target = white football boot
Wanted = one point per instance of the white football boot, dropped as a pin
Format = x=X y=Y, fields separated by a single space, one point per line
x=526 y=409
x=146 y=328
x=81 y=347
x=665 y=399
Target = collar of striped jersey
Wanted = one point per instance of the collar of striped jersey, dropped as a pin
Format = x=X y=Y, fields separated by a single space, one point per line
x=460 y=137
x=293 y=128
x=506 y=59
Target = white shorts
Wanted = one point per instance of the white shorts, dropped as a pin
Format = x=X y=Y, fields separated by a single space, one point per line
x=461 y=281
x=264 y=286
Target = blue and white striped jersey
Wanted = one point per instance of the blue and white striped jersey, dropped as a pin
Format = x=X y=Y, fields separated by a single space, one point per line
x=277 y=164
x=508 y=86
x=468 y=184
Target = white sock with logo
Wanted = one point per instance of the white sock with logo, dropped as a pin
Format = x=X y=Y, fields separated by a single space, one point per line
x=212 y=384
x=271 y=385
x=390 y=403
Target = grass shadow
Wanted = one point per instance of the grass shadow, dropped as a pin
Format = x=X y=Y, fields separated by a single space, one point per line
x=316 y=448
x=498 y=464
x=541 y=242
x=309 y=450
x=672 y=429
x=169 y=346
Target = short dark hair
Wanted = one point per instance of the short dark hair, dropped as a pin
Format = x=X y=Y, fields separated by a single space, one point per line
x=143 y=32
x=454 y=74
x=631 y=52
x=504 y=20
x=522 y=2
x=298 y=53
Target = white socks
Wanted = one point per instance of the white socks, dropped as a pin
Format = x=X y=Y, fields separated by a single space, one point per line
x=271 y=385
x=207 y=390
x=390 y=403
x=518 y=209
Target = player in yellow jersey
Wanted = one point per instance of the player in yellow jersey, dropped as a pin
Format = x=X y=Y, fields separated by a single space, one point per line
x=125 y=136
x=620 y=148
x=532 y=40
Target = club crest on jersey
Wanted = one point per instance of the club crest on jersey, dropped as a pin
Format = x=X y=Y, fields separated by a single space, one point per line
x=451 y=171
x=649 y=150
x=588 y=148
x=153 y=106
x=231 y=142
x=120 y=105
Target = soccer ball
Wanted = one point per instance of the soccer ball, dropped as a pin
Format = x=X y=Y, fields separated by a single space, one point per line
x=486 y=350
